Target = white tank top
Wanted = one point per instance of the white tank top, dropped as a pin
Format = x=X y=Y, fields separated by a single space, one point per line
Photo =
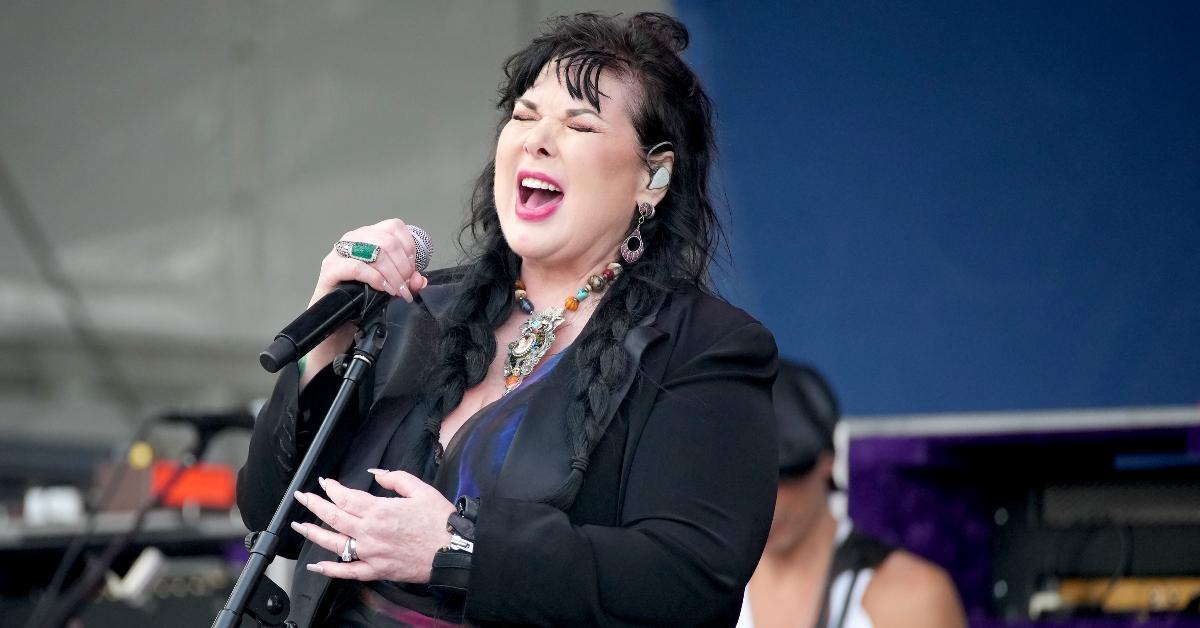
x=855 y=615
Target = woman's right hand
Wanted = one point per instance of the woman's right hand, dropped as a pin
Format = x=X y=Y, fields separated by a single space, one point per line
x=394 y=272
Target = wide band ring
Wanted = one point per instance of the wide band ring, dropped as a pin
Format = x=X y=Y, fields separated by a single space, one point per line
x=361 y=251
x=350 y=550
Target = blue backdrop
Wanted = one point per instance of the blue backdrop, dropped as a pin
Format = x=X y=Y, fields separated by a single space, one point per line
x=965 y=205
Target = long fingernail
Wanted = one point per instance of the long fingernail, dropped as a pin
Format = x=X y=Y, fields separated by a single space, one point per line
x=297 y=526
x=321 y=481
x=300 y=497
x=375 y=471
x=314 y=568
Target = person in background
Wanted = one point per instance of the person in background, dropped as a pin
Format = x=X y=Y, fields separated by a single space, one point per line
x=816 y=570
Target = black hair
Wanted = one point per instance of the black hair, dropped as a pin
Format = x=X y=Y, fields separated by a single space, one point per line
x=670 y=105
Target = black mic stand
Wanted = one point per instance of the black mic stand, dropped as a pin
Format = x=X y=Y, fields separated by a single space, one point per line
x=253 y=593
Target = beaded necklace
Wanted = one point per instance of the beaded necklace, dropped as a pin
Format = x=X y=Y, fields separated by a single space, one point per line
x=537 y=333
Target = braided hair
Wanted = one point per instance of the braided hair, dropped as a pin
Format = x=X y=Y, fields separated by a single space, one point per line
x=670 y=105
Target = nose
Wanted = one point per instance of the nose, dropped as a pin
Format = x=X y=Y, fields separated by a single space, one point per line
x=539 y=142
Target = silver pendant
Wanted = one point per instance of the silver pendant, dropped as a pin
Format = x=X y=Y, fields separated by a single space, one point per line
x=524 y=353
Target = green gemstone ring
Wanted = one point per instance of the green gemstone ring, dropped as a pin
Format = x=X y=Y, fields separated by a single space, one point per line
x=362 y=251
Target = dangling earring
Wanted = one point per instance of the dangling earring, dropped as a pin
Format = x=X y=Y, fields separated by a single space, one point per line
x=634 y=245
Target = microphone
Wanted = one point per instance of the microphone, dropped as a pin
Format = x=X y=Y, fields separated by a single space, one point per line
x=347 y=302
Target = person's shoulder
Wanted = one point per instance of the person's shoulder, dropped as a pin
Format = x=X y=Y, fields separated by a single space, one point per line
x=444 y=285
x=908 y=590
x=700 y=321
x=700 y=308
x=903 y=569
x=446 y=276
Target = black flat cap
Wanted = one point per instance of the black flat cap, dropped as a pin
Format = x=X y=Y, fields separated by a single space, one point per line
x=807 y=411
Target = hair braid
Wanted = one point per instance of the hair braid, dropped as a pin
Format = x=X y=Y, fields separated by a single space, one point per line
x=601 y=363
x=468 y=342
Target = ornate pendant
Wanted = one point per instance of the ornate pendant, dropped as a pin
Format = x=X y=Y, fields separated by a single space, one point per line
x=524 y=353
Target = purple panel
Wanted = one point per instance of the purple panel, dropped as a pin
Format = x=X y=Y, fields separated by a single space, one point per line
x=949 y=526
x=1153 y=621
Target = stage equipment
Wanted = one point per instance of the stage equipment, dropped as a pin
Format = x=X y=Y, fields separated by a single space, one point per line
x=1042 y=518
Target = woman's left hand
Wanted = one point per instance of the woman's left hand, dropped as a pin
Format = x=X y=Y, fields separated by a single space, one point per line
x=395 y=537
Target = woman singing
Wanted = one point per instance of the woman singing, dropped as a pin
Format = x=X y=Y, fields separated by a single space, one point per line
x=575 y=431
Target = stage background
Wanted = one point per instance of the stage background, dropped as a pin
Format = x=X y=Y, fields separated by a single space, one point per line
x=190 y=164
x=961 y=206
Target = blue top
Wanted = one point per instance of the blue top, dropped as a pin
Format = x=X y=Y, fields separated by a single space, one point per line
x=471 y=463
x=477 y=452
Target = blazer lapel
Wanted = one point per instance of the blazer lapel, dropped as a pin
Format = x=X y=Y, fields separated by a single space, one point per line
x=407 y=356
x=411 y=346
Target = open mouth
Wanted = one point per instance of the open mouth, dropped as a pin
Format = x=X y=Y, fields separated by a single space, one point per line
x=537 y=194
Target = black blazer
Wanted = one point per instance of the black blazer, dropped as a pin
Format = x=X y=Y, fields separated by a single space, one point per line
x=675 y=505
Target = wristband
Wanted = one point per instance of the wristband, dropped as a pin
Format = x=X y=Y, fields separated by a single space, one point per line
x=451 y=570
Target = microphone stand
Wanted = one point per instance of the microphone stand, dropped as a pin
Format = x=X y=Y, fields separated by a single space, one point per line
x=253 y=593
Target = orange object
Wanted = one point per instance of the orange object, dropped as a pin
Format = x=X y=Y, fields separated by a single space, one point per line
x=204 y=485
x=572 y=303
x=1131 y=595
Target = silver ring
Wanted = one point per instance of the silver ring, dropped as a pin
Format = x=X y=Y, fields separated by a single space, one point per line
x=350 y=550
x=361 y=251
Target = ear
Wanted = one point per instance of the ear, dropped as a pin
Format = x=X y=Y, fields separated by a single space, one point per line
x=825 y=464
x=654 y=179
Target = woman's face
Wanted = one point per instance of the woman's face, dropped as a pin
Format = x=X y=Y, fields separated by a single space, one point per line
x=569 y=177
x=799 y=504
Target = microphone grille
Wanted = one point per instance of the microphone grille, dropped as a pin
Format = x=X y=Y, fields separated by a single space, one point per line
x=424 y=247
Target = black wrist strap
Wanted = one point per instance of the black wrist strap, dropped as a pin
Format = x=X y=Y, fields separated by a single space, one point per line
x=451 y=567
x=468 y=507
x=451 y=571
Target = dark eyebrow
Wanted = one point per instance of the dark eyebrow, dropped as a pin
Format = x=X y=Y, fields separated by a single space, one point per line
x=571 y=113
